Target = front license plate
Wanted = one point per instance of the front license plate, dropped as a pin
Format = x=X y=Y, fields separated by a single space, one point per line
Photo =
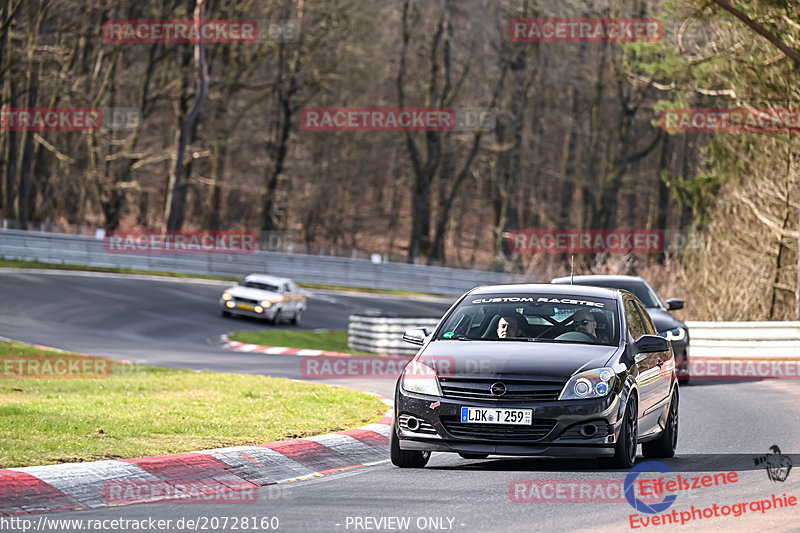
x=246 y=307
x=481 y=415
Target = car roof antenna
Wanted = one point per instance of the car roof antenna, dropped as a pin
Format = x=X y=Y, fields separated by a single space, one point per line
x=572 y=269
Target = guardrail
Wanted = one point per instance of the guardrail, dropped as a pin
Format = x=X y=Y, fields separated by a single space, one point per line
x=82 y=250
x=714 y=340
x=384 y=334
x=769 y=340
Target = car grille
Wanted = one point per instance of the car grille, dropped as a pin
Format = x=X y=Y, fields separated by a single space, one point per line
x=246 y=301
x=424 y=427
x=537 y=431
x=517 y=390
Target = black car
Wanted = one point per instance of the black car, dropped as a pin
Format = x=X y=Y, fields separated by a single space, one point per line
x=538 y=370
x=668 y=326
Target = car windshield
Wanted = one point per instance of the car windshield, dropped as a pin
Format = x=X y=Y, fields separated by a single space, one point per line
x=258 y=285
x=534 y=318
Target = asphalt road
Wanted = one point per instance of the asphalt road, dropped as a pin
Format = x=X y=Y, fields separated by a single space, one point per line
x=168 y=321
x=723 y=427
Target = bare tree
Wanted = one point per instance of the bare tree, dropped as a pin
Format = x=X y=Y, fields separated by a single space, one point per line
x=176 y=190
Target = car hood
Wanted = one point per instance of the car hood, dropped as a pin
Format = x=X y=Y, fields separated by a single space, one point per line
x=251 y=293
x=531 y=360
x=663 y=320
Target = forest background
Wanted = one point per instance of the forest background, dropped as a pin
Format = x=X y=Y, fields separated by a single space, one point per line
x=574 y=140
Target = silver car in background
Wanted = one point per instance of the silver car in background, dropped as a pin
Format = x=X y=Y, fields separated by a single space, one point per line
x=268 y=297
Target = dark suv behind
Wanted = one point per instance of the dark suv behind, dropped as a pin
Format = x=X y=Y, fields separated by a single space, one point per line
x=668 y=326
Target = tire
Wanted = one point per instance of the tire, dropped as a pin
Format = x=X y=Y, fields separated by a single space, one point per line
x=665 y=445
x=625 y=449
x=474 y=455
x=296 y=318
x=225 y=313
x=406 y=458
x=276 y=319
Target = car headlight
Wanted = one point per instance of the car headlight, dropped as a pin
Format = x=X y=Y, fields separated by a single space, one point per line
x=420 y=378
x=226 y=296
x=591 y=384
x=674 y=334
x=266 y=303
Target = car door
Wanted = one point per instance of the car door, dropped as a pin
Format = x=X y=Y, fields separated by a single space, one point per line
x=665 y=361
x=291 y=299
x=648 y=372
x=298 y=295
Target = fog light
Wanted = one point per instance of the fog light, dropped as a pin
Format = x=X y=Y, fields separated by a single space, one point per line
x=258 y=309
x=229 y=304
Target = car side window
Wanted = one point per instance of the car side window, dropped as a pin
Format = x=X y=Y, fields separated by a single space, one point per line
x=634 y=321
x=649 y=327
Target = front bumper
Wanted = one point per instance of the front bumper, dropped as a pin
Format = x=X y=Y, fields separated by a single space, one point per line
x=555 y=429
x=268 y=313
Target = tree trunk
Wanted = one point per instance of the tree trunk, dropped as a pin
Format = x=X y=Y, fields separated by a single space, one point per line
x=423 y=165
x=11 y=156
x=115 y=205
x=288 y=68
x=271 y=211
x=217 y=176
x=176 y=192
x=587 y=189
x=26 y=166
x=792 y=159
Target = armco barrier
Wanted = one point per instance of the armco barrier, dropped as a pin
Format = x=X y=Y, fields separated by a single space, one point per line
x=384 y=334
x=714 y=340
x=81 y=250
x=771 y=340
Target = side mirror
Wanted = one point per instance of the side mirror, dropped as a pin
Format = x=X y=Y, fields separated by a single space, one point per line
x=651 y=344
x=673 y=304
x=415 y=335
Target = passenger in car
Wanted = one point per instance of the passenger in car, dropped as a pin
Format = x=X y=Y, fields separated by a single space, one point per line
x=508 y=326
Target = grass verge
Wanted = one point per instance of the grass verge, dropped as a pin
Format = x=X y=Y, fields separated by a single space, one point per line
x=143 y=410
x=332 y=341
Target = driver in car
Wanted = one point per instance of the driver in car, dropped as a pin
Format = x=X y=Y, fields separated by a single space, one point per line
x=585 y=323
x=508 y=326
